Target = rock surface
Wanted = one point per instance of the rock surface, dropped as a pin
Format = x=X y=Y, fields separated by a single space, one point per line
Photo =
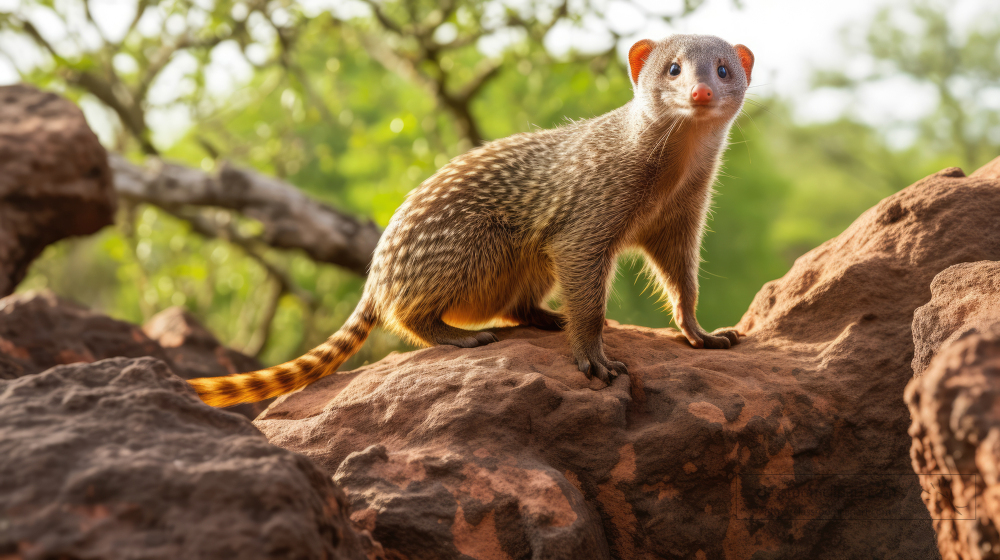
x=955 y=407
x=119 y=459
x=791 y=445
x=964 y=301
x=39 y=330
x=54 y=178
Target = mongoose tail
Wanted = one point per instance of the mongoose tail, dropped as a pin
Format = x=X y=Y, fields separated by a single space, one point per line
x=296 y=374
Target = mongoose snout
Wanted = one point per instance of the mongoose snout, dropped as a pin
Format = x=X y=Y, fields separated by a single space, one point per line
x=500 y=229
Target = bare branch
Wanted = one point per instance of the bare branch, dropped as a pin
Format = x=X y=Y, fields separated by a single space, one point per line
x=291 y=219
x=384 y=19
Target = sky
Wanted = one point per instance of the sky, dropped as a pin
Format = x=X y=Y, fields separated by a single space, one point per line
x=790 y=38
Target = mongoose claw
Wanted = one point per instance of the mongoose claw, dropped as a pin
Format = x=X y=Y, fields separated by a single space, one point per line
x=606 y=372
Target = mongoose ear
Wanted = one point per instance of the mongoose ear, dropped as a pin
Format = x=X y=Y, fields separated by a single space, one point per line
x=637 y=57
x=746 y=59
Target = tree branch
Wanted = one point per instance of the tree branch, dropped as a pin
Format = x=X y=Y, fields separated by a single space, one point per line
x=291 y=219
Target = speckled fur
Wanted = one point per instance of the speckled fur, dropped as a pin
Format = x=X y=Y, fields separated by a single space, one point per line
x=494 y=232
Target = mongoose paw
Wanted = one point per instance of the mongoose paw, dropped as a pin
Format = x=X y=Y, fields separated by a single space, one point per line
x=732 y=334
x=606 y=371
x=719 y=339
x=478 y=339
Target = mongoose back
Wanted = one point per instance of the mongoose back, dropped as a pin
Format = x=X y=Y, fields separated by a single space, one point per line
x=492 y=234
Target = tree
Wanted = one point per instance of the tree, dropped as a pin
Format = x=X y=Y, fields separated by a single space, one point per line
x=922 y=42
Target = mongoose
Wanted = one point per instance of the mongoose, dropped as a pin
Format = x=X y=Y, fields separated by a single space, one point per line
x=492 y=234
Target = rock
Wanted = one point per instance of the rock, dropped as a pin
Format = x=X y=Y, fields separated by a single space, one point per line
x=954 y=402
x=965 y=299
x=39 y=330
x=119 y=459
x=791 y=445
x=54 y=178
x=955 y=407
x=195 y=352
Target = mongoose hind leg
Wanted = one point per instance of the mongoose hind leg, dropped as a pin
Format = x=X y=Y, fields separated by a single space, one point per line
x=538 y=316
x=439 y=332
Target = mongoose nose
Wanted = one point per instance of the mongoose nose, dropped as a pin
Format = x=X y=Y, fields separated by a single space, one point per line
x=701 y=94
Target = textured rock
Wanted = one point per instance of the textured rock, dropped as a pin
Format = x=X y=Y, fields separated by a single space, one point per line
x=38 y=330
x=119 y=459
x=955 y=407
x=54 y=178
x=791 y=445
x=965 y=300
x=954 y=402
x=195 y=352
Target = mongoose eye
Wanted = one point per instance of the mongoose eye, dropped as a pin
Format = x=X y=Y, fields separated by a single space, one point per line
x=722 y=72
x=675 y=69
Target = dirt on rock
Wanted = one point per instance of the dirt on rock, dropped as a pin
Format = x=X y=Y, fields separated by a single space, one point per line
x=119 y=459
x=54 y=178
x=791 y=445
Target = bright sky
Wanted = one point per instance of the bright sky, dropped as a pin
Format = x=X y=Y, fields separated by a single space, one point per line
x=788 y=37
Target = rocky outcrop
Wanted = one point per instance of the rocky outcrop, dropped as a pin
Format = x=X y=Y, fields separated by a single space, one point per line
x=791 y=445
x=954 y=401
x=955 y=407
x=54 y=178
x=39 y=330
x=964 y=301
x=119 y=459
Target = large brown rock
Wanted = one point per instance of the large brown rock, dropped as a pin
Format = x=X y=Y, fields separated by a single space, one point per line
x=954 y=402
x=39 y=330
x=54 y=178
x=119 y=459
x=965 y=300
x=791 y=445
x=955 y=407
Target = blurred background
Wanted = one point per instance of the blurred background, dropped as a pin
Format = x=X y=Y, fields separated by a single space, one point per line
x=357 y=102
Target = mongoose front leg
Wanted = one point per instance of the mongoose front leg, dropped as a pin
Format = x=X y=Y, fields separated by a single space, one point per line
x=674 y=251
x=584 y=280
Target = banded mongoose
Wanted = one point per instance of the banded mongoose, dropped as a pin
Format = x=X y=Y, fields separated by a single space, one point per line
x=491 y=235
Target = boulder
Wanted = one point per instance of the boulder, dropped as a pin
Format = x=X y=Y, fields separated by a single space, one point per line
x=119 y=459
x=955 y=407
x=954 y=402
x=964 y=300
x=39 y=330
x=54 y=178
x=791 y=445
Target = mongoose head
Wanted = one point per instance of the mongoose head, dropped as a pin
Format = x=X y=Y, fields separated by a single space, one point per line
x=698 y=77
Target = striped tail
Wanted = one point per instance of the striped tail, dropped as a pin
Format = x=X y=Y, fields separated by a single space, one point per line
x=296 y=374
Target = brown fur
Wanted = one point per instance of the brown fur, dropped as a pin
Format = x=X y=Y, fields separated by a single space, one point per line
x=493 y=233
